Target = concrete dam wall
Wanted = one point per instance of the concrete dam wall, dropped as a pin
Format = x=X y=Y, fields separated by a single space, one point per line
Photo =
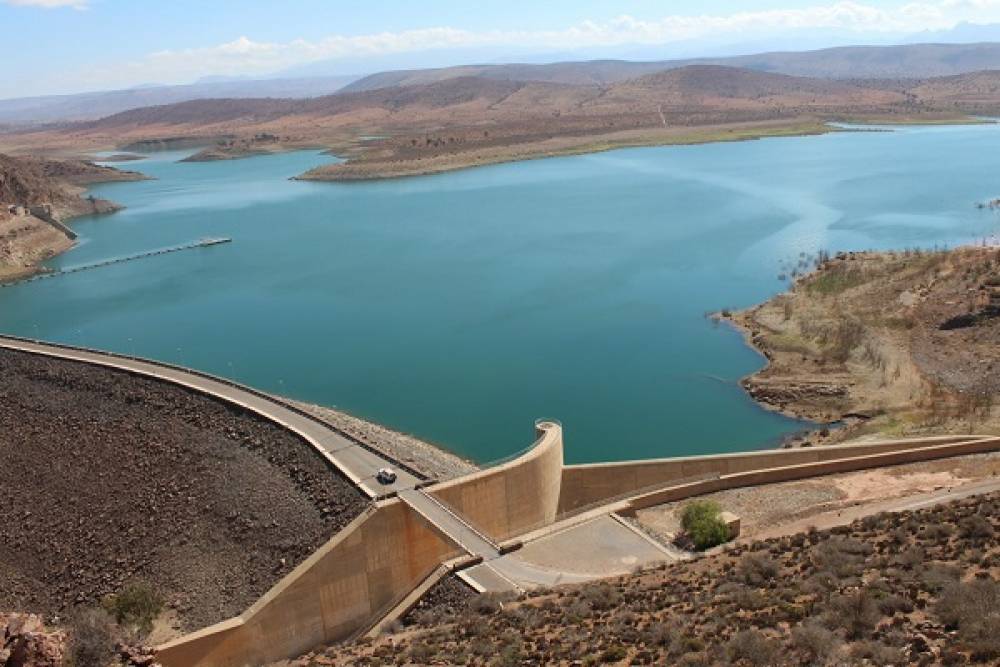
x=338 y=591
x=513 y=498
x=589 y=484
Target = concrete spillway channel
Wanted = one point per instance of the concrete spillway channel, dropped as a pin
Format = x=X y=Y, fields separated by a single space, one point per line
x=200 y=243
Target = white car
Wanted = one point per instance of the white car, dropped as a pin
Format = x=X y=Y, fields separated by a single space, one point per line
x=386 y=475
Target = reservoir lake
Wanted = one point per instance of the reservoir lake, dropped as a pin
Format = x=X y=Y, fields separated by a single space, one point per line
x=461 y=307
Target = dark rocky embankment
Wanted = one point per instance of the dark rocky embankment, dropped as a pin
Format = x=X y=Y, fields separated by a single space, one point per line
x=106 y=478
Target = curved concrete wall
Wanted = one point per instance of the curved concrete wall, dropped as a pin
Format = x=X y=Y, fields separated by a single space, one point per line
x=513 y=498
x=584 y=485
x=342 y=589
x=915 y=454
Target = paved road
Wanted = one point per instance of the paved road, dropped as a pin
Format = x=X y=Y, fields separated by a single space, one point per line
x=356 y=462
x=450 y=524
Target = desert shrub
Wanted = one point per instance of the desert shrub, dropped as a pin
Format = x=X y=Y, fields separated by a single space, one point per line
x=702 y=523
x=936 y=577
x=911 y=557
x=815 y=642
x=937 y=532
x=877 y=653
x=613 y=654
x=842 y=557
x=578 y=610
x=136 y=607
x=890 y=604
x=753 y=648
x=601 y=596
x=976 y=527
x=660 y=634
x=510 y=655
x=698 y=510
x=756 y=569
x=92 y=639
x=485 y=604
x=974 y=609
x=857 y=614
x=422 y=653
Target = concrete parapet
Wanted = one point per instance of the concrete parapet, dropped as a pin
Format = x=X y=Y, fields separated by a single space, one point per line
x=918 y=451
x=585 y=485
x=513 y=498
x=348 y=584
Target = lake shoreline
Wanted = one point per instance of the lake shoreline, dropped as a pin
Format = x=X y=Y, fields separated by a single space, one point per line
x=647 y=237
x=862 y=371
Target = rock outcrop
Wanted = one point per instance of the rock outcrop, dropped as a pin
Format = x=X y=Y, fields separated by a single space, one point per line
x=26 y=642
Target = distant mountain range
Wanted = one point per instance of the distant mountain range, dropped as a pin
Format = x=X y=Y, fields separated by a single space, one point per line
x=912 y=61
x=433 y=121
x=88 y=106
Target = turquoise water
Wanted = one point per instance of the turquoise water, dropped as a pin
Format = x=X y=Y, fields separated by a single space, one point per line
x=460 y=307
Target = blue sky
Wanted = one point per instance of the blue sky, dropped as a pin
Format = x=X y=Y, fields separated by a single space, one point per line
x=75 y=45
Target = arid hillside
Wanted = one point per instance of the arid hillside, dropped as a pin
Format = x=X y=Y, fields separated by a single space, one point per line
x=35 y=195
x=851 y=62
x=913 y=588
x=108 y=479
x=469 y=120
x=31 y=181
x=893 y=343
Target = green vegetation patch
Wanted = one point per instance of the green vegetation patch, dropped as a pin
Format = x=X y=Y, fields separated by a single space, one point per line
x=836 y=279
x=136 y=607
x=703 y=523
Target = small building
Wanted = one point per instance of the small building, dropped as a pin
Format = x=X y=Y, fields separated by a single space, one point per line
x=732 y=523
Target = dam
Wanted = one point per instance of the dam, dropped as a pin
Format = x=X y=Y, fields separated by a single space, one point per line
x=417 y=531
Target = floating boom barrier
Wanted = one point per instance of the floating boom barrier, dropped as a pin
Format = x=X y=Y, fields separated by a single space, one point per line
x=200 y=243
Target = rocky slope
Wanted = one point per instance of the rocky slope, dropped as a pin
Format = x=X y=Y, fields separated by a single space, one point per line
x=106 y=478
x=914 y=588
x=35 y=195
x=30 y=181
x=895 y=343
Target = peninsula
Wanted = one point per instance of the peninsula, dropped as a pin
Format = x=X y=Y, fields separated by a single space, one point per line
x=36 y=197
x=895 y=343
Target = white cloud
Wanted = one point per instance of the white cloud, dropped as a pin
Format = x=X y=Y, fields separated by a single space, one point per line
x=49 y=4
x=244 y=56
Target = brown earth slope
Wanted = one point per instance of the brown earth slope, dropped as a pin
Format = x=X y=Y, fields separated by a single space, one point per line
x=107 y=478
x=898 y=343
x=35 y=194
x=468 y=120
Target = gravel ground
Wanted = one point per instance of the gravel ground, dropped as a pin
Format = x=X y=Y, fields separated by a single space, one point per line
x=770 y=505
x=449 y=597
x=107 y=477
x=425 y=458
x=756 y=506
